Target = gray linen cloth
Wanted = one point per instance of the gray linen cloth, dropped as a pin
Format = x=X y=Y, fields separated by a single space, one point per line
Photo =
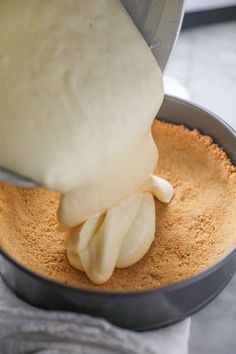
x=27 y=330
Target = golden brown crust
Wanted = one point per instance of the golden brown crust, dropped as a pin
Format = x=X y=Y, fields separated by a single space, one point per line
x=197 y=228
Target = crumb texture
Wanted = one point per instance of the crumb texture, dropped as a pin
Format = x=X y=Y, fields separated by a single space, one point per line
x=192 y=232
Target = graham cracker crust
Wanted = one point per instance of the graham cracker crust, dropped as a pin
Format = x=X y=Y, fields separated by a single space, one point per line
x=192 y=232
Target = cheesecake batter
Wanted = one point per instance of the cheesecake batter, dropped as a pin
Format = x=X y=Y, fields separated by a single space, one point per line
x=79 y=91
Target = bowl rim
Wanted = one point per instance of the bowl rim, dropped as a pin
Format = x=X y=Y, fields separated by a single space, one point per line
x=149 y=291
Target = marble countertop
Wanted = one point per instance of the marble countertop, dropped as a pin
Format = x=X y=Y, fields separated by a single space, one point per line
x=204 y=68
x=213 y=328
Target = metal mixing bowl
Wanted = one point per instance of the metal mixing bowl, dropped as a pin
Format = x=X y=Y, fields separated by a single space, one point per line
x=159 y=21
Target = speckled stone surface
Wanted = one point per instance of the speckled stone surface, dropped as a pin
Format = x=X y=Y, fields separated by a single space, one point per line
x=204 y=62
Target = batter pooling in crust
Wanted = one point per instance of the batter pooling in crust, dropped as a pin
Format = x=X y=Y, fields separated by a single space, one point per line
x=79 y=91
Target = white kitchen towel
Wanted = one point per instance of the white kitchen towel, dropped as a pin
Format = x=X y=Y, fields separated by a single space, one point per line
x=27 y=330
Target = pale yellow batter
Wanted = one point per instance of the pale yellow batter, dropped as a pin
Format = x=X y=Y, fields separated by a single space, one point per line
x=79 y=89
